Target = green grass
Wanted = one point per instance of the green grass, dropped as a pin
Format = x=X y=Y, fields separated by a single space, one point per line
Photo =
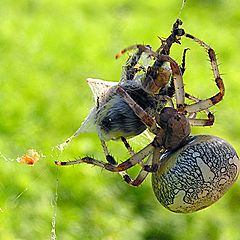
x=48 y=49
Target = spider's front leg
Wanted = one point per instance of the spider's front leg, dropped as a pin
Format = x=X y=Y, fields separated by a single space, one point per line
x=192 y=116
x=130 y=162
x=174 y=37
x=205 y=104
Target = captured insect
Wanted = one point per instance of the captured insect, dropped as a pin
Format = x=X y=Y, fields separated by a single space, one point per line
x=189 y=173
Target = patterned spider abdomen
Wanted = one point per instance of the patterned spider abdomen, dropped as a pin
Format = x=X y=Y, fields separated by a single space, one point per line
x=196 y=175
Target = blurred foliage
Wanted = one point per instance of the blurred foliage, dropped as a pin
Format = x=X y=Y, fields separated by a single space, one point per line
x=48 y=48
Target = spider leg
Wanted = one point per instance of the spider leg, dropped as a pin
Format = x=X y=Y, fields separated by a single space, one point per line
x=202 y=122
x=151 y=165
x=177 y=80
x=177 y=76
x=155 y=160
x=127 y=145
x=130 y=162
x=142 y=114
x=141 y=175
x=150 y=123
x=174 y=37
x=109 y=157
x=171 y=89
x=199 y=122
x=205 y=104
x=183 y=65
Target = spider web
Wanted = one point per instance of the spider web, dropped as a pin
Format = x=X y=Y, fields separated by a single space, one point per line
x=54 y=155
x=14 y=199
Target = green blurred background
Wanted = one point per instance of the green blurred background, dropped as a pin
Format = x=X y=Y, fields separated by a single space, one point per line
x=48 y=48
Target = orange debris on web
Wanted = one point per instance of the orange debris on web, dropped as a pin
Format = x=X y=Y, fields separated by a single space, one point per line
x=31 y=157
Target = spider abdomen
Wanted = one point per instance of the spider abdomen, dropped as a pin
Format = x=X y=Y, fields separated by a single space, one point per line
x=196 y=175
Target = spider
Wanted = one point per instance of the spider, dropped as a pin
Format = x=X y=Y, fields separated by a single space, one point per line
x=115 y=119
x=186 y=176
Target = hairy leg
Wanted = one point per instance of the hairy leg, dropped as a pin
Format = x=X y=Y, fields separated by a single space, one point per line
x=205 y=104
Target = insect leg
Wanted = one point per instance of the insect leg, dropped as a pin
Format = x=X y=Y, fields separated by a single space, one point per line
x=129 y=69
x=109 y=157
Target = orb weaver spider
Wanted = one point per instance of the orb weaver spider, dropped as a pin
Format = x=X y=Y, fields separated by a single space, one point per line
x=186 y=174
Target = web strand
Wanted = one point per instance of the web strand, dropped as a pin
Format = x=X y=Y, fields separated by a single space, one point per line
x=54 y=205
x=182 y=7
